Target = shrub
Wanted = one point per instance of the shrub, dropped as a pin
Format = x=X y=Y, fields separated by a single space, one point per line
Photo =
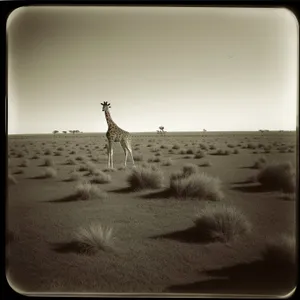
x=236 y=151
x=196 y=186
x=200 y=154
x=222 y=152
x=94 y=237
x=222 y=223
x=48 y=162
x=278 y=176
x=280 y=251
x=25 y=163
x=47 y=152
x=206 y=164
x=167 y=162
x=49 y=173
x=80 y=158
x=70 y=161
x=86 y=191
x=189 y=169
x=101 y=177
x=189 y=151
x=145 y=177
x=74 y=176
x=176 y=147
x=260 y=163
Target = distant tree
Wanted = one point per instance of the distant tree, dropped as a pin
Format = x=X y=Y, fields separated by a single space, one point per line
x=64 y=131
x=161 y=130
x=204 y=130
x=55 y=132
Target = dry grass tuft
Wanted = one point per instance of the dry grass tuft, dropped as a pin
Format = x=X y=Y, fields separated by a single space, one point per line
x=74 y=176
x=25 y=163
x=199 y=155
x=278 y=176
x=145 y=177
x=49 y=173
x=198 y=186
x=138 y=157
x=94 y=237
x=167 y=162
x=280 y=251
x=86 y=191
x=101 y=177
x=222 y=223
x=70 y=161
x=48 y=162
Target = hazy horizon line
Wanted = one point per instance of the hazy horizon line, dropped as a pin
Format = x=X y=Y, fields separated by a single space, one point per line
x=134 y=132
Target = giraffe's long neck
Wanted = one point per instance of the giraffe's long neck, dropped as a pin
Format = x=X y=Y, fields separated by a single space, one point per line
x=109 y=119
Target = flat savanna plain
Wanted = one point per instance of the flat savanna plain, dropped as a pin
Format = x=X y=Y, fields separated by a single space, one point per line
x=152 y=245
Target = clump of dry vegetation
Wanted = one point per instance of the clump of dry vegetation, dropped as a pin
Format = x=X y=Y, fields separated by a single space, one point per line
x=74 y=176
x=222 y=222
x=192 y=184
x=281 y=251
x=47 y=152
x=48 y=162
x=86 y=191
x=25 y=163
x=101 y=177
x=167 y=162
x=145 y=177
x=222 y=152
x=70 y=161
x=94 y=237
x=260 y=163
x=278 y=176
x=206 y=164
x=236 y=151
x=199 y=154
x=176 y=147
x=138 y=157
x=49 y=173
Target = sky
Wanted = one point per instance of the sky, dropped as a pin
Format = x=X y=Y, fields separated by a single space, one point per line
x=185 y=68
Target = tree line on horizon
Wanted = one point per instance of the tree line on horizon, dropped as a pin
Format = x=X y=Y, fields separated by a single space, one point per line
x=65 y=132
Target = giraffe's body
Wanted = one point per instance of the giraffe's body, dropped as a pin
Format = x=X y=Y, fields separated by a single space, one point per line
x=116 y=134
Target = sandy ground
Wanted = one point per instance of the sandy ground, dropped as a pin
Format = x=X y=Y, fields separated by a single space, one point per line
x=151 y=250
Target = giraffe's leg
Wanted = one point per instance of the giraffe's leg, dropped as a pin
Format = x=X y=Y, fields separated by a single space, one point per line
x=109 y=149
x=112 y=157
x=123 y=144
x=128 y=147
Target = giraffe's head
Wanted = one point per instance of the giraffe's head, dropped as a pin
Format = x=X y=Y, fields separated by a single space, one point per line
x=105 y=106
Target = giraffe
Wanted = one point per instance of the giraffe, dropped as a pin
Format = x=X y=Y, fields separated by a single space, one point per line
x=116 y=134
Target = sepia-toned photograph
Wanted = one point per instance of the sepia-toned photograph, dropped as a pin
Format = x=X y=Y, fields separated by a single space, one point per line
x=152 y=151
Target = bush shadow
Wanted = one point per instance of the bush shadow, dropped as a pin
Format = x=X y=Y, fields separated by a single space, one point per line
x=72 y=247
x=193 y=234
x=125 y=190
x=253 y=189
x=70 y=198
x=164 y=194
x=258 y=277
